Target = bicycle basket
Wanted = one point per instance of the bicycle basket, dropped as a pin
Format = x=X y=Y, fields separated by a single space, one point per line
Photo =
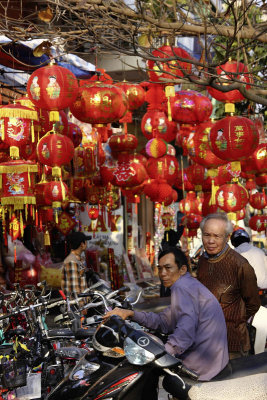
x=14 y=374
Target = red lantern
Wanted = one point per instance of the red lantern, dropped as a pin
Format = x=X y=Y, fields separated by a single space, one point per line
x=234 y=138
x=231 y=197
x=258 y=200
x=52 y=87
x=191 y=107
x=250 y=184
x=158 y=190
x=191 y=204
x=135 y=94
x=74 y=134
x=182 y=182
x=185 y=131
x=192 y=221
x=196 y=174
x=258 y=223
x=85 y=160
x=261 y=180
x=156 y=148
x=55 y=192
x=99 y=103
x=54 y=149
x=93 y=213
x=160 y=70
x=155 y=124
x=16 y=123
x=129 y=171
x=259 y=158
x=208 y=208
x=227 y=172
x=122 y=143
x=231 y=70
x=199 y=149
x=240 y=214
x=164 y=167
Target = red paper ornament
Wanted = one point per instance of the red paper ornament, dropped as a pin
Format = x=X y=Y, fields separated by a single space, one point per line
x=155 y=124
x=52 y=87
x=191 y=107
x=165 y=167
x=231 y=197
x=54 y=149
x=156 y=148
x=99 y=103
x=159 y=71
x=258 y=200
x=227 y=72
x=196 y=174
x=122 y=143
x=233 y=138
x=93 y=213
x=258 y=223
x=158 y=190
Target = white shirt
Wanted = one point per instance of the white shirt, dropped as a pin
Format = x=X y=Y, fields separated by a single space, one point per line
x=257 y=259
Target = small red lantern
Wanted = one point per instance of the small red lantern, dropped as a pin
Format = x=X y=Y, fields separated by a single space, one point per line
x=165 y=167
x=192 y=221
x=54 y=149
x=231 y=197
x=93 y=213
x=52 y=87
x=259 y=158
x=155 y=124
x=233 y=138
x=258 y=200
x=191 y=204
x=208 y=208
x=196 y=174
x=240 y=214
x=74 y=134
x=250 y=184
x=129 y=171
x=258 y=223
x=158 y=190
x=185 y=132
x=161 y=70
x=122 y=143
x=190 y=107
x=227 y=72
x=99 y=103
x=135 y=94
x=55 y=192
x=182 y=182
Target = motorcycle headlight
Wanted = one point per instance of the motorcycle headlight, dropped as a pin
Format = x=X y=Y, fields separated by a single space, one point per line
x=136 y=354
x=84 y=368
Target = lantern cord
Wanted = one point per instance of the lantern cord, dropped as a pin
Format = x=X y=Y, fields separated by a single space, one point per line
x=182 y=166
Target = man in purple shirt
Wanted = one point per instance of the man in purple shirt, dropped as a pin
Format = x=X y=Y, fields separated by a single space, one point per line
x=194 y=321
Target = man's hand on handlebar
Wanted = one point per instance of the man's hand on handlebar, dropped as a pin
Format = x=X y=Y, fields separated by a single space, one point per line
x=121 y=312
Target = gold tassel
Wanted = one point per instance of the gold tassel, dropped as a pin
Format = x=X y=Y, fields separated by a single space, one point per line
x=21 y=224
x=33 y=213
x=14 y=152
x=213 y=193
x=232 y=216
x=229 y=108
x=63 y=190
x=1 y=181
x=56 y=171
x=56 y=217
x=169 y=92
x=26 y=211
x=29 y=178
x=3 y=131
x=54 y=116
x=47 y=238
x=18 y=113
x=32 y=132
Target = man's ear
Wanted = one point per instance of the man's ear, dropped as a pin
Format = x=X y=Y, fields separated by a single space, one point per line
x=183 y=270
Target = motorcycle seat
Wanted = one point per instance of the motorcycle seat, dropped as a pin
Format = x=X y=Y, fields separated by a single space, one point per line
x=82 y=333
x=60 y=333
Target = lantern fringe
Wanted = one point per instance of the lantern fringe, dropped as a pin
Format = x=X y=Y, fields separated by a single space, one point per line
x=21 y=224
x=54 y=116
x=47 y=241
x=56 y=171
x=18 y=113
x=18 y=168
x=18 y=201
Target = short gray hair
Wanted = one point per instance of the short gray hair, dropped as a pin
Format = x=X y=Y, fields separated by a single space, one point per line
x=221 y=217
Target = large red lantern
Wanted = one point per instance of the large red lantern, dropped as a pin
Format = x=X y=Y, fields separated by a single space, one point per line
x=54 y=149
x=135 y=94
x=52 y=87
x=191 y=204
x=122 y=143
x=231 y=70
x=258 y=223
x=165 y=167
x=155 y=124
x=190 y=107
x=158 y=190
x=99 y=103
x=231 y=197
x=199 y=149
x=129 y=171
x=170 y=70
x=258 y=200
x=233 y=138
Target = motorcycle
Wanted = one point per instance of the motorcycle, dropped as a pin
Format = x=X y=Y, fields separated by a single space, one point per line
x=125 y=357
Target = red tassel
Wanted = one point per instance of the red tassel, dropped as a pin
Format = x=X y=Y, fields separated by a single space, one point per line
x=15 y=254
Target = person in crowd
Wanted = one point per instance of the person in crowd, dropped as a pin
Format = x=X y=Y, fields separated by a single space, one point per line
x=194 y=321
x=73 y=274
x=230 y=278
x=256 y=257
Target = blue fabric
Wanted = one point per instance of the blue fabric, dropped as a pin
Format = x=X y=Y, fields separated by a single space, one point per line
x=196 y=327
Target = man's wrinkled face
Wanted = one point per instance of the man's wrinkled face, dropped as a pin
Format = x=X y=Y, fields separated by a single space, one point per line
x=168 y=270
x=214 y=236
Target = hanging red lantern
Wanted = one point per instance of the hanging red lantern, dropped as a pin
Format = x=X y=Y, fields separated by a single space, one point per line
x=261 y=180
x=182 y=182
x=250 y=184
x=135 y=94
x=192 y=221
x=171 y=198
x=93 y=213
x=258 y=223
x=17 y=124
x=158 y=190
x=55 y=192
x=85 y=160
x=165 y=167
x=191 y=204
x=231 y=197
x=190 y=107
x=233 y=138
x=99 y=103
x=196 y=174
x=74 y=134
x=53 y=88
x=184 y=133
x=161 y=70
x=258 y=200
x=199 y=149
x=129 y=171
x=107 y=173
x=55 y=150
x=259 y=158
x=156 y=148
x=122 y=143
x=207 y=207
x=155 y=124
x=231 y=70
x=240 y=214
